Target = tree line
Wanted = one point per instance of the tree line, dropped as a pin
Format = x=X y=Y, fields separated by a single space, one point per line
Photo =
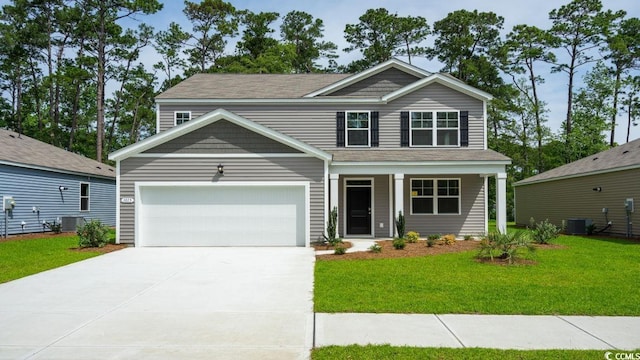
x=57 y=57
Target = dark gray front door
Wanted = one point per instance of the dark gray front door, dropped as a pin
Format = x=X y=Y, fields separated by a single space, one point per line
x=359 y=210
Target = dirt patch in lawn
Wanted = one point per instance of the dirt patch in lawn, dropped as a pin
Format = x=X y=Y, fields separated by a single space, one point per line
x=419 y=248
x=37 y=235
x=345 y=244
x=105 y=249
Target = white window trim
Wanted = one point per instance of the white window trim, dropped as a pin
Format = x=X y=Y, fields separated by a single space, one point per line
x=346 y=129
x=88 y=197
x=175 y=117
x=435 y=196
x=434 y=129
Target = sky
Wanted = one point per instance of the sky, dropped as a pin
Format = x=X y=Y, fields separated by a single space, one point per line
x=337 y=13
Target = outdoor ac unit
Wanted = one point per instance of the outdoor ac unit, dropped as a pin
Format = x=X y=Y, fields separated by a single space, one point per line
x=70 y=223
x=578 y=226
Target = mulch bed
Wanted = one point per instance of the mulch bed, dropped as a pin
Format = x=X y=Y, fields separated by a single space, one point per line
x=411 y=250
x=105 y=249
x=345 y=244
x=50 y=235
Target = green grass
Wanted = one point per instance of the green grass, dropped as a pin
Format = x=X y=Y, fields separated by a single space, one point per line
x=20 y=258
x=589 y=276
x=371 y=352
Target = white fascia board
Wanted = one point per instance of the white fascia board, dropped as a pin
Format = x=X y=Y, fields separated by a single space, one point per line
x=419 y=168
x=598 y=172
x=295 y=101
x=442 y=80
x=210 y=118
x=392 y=63
x=60 y=171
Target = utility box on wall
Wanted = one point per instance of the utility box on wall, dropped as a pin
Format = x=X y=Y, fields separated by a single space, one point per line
x=8 y=203
x=628 y=205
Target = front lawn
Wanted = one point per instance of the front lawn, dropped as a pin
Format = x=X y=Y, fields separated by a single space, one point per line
x=20 y=258
x=374 y=352
x=588 y=276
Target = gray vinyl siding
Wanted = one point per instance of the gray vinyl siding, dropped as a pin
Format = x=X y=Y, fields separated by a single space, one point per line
x=378 y=85
x=134 y=170
x=564 y=199
x=222 y=137
x=37 y=188
x=471 y=220
x=316 y=124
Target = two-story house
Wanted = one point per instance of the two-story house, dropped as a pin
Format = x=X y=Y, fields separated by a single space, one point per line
x=261 y=159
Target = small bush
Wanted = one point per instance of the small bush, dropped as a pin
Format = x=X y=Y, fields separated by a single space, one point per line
x=435 y=237
x=591 y=229
x=92 y=234
x=399 y=243
x=431 y=241
x=375 y=248
x=55 y=227
x=544 y=232
x=505 y=246
x=412 y=237
x=449 y=239
x=331 y=237
x=339 y=250
x=468 y=237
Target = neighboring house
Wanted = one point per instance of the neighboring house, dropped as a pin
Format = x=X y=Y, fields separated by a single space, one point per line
x=261 y=159
x=49 y=184
x=595 y=188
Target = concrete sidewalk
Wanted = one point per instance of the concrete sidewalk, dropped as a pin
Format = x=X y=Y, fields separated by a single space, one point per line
x=486 y=331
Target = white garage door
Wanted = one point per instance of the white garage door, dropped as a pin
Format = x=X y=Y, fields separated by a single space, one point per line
x=221 y=215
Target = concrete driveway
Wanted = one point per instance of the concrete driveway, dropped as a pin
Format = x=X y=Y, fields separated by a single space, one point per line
x=164 y=303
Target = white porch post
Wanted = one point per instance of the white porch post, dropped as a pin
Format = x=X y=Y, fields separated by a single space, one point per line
x=399 y=197
x=501 y=202
x=333 y=197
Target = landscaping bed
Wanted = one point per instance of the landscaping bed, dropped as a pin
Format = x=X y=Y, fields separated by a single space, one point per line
x=411 y=250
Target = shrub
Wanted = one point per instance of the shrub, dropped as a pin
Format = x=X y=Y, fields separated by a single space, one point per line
x=412 y=236
x=92 y=234
x=375 y=248
x=431 y=241
x=591 y=228
x=468 y=237
x=449 y=239
x=331 y=236
x=400 y=223
x=55 y=227
x=434 y=237
x=544 y=232
x=339 y=250
x=505 y=246
x=399 y=243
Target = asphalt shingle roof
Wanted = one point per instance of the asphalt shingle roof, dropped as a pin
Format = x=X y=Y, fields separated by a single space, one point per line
x=413 y=154
x=618 y=157
x=250 y=86
x=21 y=149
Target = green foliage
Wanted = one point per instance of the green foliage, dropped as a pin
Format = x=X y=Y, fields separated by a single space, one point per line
x=412 y=237
x=400 y=225
x=375 y=248
x=331 y=236
x=339 y=250
x=505 y=246
x=92 y=234
x=399 y=243
x=468 y=237
x=432 y=241
x=543 y=232
x=55 y=227
x=304 y=33
x=434 y=237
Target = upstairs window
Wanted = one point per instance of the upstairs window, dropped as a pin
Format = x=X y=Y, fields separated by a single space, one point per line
x=84 y=197
x=181 y=117
x=444 y=131
x=358 y=128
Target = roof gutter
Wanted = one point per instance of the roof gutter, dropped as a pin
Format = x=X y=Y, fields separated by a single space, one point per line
x=591 y=173
x=60 y=171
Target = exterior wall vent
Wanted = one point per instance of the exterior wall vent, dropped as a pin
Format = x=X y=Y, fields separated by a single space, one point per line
x=578 y=226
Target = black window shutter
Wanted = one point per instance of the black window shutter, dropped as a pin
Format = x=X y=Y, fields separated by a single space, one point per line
x=404 y=128
x=374 y=129
x=464 y=128
x=340 y=129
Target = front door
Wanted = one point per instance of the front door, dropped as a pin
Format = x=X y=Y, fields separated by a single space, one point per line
x=358 y=207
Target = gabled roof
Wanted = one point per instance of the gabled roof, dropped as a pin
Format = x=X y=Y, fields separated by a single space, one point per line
x=622 y=157
x=23 y=151
x=392 y=63
x=210 y=118
x=249 y=86
x=443 y=79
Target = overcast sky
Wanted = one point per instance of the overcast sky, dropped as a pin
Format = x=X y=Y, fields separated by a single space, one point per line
x=337 y=13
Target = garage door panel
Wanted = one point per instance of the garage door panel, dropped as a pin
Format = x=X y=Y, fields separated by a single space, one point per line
x=222 y=216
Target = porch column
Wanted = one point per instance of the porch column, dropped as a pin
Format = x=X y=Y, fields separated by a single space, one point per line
x=333 y=197
x=501 y=202
x=399 y=201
